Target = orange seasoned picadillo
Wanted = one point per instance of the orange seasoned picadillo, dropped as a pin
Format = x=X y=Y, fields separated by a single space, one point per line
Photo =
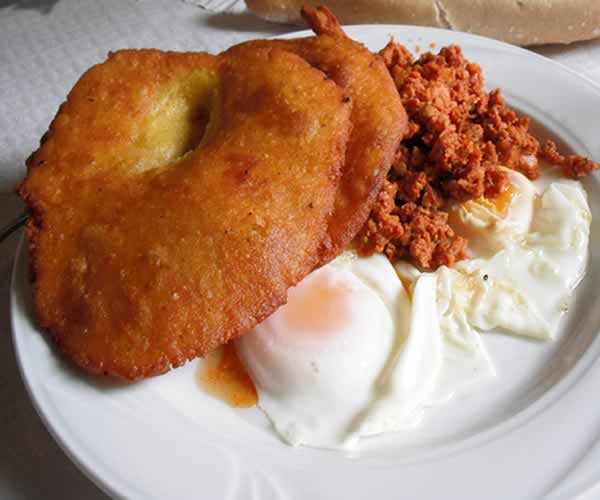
x=459 y=138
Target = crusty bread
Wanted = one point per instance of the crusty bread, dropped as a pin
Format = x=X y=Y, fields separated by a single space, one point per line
x=522 y=22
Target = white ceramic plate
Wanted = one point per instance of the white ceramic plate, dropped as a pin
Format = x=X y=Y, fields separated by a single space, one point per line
x=533 y=433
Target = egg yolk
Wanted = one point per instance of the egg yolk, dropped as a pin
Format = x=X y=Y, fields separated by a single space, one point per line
x=223 y=375
x=319 y=309
x=501 y=202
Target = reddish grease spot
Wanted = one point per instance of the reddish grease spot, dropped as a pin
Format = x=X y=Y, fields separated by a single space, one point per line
x=223 y=375
x=240 y=167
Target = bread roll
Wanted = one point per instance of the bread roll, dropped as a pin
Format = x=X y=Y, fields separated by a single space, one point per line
x=522 y=22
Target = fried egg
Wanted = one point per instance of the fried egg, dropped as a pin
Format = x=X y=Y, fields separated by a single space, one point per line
x=526 y=261
x=347 y=356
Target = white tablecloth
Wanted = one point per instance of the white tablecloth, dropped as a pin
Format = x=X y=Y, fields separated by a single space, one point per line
x=44 y=47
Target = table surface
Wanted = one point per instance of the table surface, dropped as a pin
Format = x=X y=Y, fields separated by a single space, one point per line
x=44 y=47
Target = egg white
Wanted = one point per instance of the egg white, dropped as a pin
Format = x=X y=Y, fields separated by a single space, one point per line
x=371 y=370
x=489 y=230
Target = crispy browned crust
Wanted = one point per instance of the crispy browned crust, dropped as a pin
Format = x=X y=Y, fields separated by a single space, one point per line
x=146 y=256
x=322 y=21
x=379 y=120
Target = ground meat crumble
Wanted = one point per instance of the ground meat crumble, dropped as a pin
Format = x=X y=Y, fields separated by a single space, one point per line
x=458 y=137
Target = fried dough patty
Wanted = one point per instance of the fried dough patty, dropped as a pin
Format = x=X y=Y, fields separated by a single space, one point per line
x=379 y=121
x=175 y=199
